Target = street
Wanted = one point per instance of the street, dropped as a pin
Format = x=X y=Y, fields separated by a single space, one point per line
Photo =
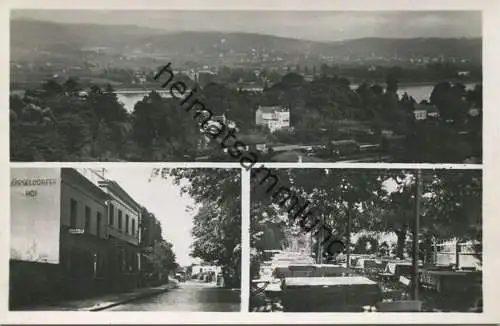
x=189 y=296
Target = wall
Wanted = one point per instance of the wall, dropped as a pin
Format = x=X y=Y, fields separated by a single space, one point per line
x=120 y=232
x=258 y=117
x=72 y=189
x=35 y=214
x=35 y=283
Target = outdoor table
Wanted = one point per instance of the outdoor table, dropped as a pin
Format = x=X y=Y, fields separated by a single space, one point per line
x=327 y=270
x=329 y=294
x=450 y=281
x=358 y=264
x=311 y=270
x=399 y=268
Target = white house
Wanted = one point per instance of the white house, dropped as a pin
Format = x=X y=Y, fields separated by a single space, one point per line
x=446 y=254
x=274 y=117
x=420 y=114
x=423 y=111
x=197 y=269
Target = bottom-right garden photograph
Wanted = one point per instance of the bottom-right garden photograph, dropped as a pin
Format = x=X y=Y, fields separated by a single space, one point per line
x=366 y=240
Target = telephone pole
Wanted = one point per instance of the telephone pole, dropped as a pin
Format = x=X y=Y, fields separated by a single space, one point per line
x=416 y=227
x=349 y=230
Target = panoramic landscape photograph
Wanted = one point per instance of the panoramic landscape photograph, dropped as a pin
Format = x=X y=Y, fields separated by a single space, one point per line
x=277 y=86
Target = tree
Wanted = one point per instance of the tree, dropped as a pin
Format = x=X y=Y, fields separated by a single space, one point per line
x=235 y=106
x=292 y=79
x=392 y=83
x=384 y=200
x=217 y=224
x=162 y=259
x=455 y=207
x=217 y=241
x=71 y=87
x=366 y=245
x=163 y=131
x=449 y=98
x=89 y=127
x=111 y=120
x=51 y=88
x=335 y=197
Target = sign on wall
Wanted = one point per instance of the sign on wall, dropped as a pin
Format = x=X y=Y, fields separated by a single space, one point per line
x=35 y=206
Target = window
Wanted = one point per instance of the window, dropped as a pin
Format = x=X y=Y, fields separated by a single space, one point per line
x=127 y=220
x=98 y=224
x=73 y=213
x=87 y=219
x=111 y=214
x=133 y=227
x=120 y=219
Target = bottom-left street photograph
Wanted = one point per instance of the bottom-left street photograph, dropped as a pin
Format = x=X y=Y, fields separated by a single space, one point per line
x=125 y=239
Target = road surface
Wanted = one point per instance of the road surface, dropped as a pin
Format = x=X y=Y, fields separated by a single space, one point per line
x=190 y=296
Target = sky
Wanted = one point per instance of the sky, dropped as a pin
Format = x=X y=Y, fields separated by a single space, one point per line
x=162 y=198
x=311 y=25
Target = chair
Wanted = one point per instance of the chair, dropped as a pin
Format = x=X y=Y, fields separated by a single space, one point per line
x=400 y=306
x=405 y=281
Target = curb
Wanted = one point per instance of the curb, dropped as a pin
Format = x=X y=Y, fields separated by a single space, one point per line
x=133 y=298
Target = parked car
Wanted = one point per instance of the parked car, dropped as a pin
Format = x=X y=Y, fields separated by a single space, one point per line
x=181 y=277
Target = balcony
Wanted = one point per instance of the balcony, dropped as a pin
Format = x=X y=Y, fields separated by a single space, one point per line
x=134 y=240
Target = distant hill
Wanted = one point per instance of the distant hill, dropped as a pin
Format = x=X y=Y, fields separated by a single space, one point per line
x=61 y=38
x=212 y=42
x=419 y=47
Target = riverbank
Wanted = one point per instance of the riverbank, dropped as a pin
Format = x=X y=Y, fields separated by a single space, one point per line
x=354 y=82
x=415 y=84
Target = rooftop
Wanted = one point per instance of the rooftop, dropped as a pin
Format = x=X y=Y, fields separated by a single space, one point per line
x=272 y=109
x=115 y=188
x=426 y=107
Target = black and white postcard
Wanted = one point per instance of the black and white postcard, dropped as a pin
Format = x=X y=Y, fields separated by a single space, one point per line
x=264 y=161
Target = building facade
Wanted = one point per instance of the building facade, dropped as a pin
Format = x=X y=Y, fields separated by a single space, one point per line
x=124 y=234
x=74 y=233
x=59 y=247
x=273 y=117
x=83 y=234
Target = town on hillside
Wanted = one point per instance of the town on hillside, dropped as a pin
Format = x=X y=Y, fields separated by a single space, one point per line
x=413 y=98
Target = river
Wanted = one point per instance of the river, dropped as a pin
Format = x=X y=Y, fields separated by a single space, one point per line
x=130 y=98
x=419 y=93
